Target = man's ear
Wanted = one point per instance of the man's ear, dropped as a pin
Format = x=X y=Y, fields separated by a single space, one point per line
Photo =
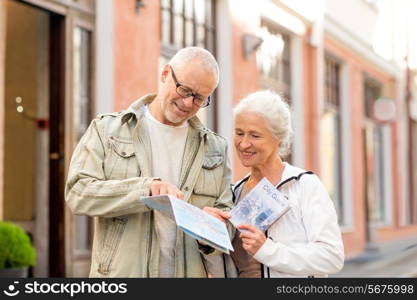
x=165 y=73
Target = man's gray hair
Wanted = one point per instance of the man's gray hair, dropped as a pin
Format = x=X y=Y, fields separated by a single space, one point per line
x=275 y=111
x=185 y=55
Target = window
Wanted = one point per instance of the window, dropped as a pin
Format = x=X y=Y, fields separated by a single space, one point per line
x=331 y=136
x=375 y=146
x=82 y=110
x=273 y=59
x=189 y=23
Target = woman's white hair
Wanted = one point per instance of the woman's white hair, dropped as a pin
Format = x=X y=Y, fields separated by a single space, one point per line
x=187 y=54
x=275 y=111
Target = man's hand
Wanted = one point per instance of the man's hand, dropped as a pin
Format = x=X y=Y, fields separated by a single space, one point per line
x=217 y=213
x=159 y=187
x=252 y=238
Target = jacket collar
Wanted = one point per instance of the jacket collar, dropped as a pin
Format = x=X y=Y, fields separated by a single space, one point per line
x=135 y=112
x=289 y=172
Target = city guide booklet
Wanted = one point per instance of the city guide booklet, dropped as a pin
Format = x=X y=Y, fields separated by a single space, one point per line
x=193 y=221
x=261 y=207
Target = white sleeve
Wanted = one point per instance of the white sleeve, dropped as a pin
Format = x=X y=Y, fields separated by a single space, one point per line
x=324 y=253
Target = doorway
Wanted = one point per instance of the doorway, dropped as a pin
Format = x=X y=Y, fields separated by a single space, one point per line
x=34 y=131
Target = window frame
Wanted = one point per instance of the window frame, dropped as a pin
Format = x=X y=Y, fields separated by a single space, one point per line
x=382 y=198
x=332 y=104
x=81 y=24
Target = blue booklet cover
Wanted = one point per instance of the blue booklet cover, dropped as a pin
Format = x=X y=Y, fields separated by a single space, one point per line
x=261 y=207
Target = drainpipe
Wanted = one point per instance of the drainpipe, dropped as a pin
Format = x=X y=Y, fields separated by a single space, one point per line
x=408 y=99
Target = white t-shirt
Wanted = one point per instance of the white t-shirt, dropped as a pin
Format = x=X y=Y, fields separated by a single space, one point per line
x=168 y=143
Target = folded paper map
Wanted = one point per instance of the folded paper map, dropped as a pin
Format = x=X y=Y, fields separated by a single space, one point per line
x=193 y=221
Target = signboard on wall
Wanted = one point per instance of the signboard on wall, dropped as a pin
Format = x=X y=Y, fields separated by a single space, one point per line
x=384 y=110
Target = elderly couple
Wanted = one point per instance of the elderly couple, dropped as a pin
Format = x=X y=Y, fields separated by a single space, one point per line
x=159 y=146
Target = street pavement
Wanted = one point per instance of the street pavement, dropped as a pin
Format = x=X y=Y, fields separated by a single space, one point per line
x=394 y=259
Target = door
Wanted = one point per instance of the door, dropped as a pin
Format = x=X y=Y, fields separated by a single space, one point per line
x=34 y=131
x=2 y=94
x=57 y=147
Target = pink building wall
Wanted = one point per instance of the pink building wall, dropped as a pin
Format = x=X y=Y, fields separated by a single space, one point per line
x=136 y=51
x=245 y=77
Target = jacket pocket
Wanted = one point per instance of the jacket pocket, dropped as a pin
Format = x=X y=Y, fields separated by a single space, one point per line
x=210 y=177
x=212 y=161
x=121 y=159
x=110 y=244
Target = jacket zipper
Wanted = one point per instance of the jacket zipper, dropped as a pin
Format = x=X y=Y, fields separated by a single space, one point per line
x=148 y=249
x=184 y=179
x=268 y=272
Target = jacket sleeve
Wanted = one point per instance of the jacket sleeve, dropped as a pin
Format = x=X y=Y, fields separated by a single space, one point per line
x=323 y=253
x=87 y=192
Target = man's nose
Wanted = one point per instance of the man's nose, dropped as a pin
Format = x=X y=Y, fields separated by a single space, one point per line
x=188 y=101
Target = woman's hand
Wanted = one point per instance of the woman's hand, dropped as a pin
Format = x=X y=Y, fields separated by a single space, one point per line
x=252 y=238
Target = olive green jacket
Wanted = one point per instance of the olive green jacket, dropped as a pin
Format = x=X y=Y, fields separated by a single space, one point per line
x=111 y=169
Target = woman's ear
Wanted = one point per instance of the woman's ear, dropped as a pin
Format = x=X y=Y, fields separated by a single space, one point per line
x=279 y=145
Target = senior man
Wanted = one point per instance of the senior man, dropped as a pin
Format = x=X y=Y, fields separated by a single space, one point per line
x=157 y=146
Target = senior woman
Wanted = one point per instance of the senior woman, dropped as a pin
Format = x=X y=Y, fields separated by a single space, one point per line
x=306 y=241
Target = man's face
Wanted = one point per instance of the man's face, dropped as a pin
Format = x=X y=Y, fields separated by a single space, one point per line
x=174 y=108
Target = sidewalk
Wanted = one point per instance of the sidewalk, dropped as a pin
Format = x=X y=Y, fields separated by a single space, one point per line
x=394 y=259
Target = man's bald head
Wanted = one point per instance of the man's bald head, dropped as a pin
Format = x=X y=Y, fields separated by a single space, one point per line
x=189 y=54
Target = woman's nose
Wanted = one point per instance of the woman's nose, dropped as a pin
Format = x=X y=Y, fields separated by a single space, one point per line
x=245 y=143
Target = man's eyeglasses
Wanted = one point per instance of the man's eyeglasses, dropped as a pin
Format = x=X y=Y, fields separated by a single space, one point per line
x=186 y=92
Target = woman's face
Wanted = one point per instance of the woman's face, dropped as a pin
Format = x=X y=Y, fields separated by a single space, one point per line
x=253 y=140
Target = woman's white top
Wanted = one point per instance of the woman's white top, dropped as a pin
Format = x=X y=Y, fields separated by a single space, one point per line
x=306 y=241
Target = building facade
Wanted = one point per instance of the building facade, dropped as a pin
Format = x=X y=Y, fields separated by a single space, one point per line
x=62 y=62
